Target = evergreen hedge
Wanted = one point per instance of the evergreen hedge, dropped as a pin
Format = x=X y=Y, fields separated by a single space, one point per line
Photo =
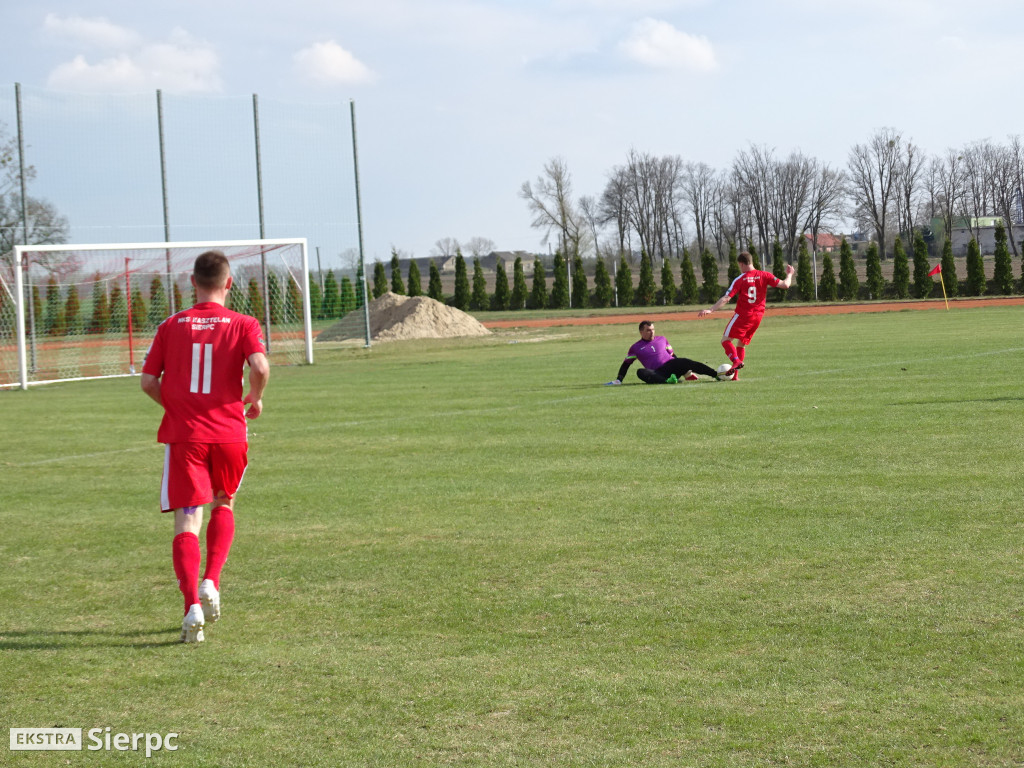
x=478 y=296
x=434 y=288
x=539 y=293
x=688 y=292
x=624 y=283
x=604 y=294
x=975 y=270
x=397 y=286
x=849 y=283
x=580 y=290
x=519 y=292
x=923 y=283
x=461 y=298
x=804 y=273
x=1003 y=267
x=380 y=280
x=828 y=290
x=873 y=268
x=900 y=271
x=500 y=299
x=415 y=289
x=710 y=289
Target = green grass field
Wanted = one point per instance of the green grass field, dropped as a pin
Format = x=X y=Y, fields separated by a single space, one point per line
x=471 y=553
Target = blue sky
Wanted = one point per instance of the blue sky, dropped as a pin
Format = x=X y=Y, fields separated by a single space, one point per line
x=461 y=101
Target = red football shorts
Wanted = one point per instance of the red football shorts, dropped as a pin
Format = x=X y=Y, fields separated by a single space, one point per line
x=193 y=472
x=743 y=328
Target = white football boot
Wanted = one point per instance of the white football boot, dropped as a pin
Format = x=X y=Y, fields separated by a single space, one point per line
x=210 y=599
x=192 y=626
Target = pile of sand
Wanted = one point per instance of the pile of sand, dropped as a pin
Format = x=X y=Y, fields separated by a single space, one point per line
x=394 y=318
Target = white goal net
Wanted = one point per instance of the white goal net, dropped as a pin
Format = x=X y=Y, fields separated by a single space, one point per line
x=90 y=311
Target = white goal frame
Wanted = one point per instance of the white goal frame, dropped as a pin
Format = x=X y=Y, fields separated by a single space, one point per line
x=21 y=299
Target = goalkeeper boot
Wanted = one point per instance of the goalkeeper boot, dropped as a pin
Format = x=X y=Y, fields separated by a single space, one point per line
x=690 y=376
x=209 y=597
x=192 y=626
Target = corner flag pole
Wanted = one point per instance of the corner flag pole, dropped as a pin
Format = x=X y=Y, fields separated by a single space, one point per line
x=937 y=269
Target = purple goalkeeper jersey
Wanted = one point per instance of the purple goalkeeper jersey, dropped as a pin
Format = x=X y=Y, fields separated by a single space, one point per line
x=651 y=354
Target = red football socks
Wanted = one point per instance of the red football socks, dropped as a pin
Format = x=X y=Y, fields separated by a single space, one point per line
x=185 y=555
x=220 y=532
x=741 y=352
x=730 y=350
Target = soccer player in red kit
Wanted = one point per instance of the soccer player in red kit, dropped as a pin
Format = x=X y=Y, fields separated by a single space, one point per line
x=751 y=287
x=194 y=369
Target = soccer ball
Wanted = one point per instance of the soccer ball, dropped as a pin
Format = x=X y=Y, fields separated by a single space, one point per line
x=723 y=369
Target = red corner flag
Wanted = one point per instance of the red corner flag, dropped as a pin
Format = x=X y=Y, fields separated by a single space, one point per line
x=936 y=269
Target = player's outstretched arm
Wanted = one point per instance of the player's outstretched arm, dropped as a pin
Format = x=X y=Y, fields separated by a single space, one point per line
x=714 y=307
x=259 y=375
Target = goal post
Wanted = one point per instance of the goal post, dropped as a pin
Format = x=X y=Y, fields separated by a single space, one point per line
x=91 y=311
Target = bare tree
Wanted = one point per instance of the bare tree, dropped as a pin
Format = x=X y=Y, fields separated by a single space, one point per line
x=591 y=213
x=614 y=208
x=1006 y=173
x=477 y=247
x=908 y=183
x=702 y=194
x=873 y=169
x=752 y=173
x=41 y=222
x=951 y=182
x=552 y=206
x=445 y=248
x=979 y=168
x=826 y=200
x=793 y=180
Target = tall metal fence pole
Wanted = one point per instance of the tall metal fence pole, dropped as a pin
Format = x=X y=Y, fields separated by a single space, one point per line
x=359 y=220
x=163 y=194
x=259 y=202
x=24 y=228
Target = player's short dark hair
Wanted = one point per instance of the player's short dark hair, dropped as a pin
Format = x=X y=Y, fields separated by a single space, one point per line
x=745 y=258
x=211 y=270
x=644 y=323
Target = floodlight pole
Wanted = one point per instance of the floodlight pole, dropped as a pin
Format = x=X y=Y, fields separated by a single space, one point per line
x=359 y=220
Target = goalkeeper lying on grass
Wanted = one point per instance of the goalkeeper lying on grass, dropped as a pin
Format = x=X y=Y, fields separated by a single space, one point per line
x=660 y=364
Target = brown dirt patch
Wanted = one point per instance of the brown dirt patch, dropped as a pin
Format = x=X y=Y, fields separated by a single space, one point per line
x=773 y=309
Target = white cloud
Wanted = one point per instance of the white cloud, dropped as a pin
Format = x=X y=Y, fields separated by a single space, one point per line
x=658 y=44
x=96 y=33
x=330 y=64
x=181 y=64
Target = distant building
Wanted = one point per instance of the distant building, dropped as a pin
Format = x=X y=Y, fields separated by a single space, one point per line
x=827 y=243
x=983 y=227
x=508 y=259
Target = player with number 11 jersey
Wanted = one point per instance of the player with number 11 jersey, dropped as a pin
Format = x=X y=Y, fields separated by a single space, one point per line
x=194 y=370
